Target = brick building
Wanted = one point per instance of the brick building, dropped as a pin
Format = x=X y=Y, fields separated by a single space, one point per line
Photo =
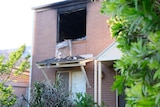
x=71 y=38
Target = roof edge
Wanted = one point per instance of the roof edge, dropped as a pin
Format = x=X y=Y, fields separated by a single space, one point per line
x=107 y=50
x=60 y=4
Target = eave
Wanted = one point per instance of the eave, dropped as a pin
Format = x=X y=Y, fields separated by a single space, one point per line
x=111 y=53
x=61 y=4
x=65 y=64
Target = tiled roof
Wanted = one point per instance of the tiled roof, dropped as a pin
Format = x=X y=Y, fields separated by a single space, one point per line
x=54 y=60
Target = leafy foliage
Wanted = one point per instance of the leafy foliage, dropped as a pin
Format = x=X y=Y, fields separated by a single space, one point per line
x=46 y=95
x=7 y=98
x=85 y=100
x=7 y=68
x=136 y=26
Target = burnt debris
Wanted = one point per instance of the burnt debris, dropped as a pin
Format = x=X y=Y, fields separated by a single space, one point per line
x=54 y=60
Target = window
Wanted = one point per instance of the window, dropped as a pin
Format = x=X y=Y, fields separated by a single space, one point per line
x=75 y=82
x=72 y=24
x=65 y=78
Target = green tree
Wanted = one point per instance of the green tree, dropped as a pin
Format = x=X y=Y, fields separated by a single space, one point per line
x=135 y=25
x=7 y=68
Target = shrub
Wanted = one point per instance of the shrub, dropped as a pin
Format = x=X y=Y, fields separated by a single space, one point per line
x=7 y=98
x=46 y=95
x=85 y=100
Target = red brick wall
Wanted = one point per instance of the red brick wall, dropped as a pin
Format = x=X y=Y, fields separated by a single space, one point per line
x=44 y=41
x=98 y=38
x=108 y=96
x=97 y=32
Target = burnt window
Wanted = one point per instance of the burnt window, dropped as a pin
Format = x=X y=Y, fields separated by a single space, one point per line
x=72 y=25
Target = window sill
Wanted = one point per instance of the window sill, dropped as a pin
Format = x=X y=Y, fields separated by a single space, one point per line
x=79 y=41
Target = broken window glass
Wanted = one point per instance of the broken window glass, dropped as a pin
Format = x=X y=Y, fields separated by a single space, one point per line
x=72 y=25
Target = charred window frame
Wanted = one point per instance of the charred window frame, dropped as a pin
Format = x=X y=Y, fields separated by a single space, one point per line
x=71 y=23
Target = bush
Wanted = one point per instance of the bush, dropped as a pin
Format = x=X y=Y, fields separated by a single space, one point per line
x=46 y=95
x=85 y=100
x=7 y=98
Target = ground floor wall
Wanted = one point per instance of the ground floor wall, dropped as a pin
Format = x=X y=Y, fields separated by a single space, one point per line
x=108 y=96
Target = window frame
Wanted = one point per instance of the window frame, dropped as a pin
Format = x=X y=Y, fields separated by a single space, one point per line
x=69 y=9
x=72 y=94
x=70 y=78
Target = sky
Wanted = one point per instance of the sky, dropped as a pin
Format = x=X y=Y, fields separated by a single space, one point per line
x=17 y=22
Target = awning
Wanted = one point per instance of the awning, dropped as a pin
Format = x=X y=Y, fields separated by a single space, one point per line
x=70 y=61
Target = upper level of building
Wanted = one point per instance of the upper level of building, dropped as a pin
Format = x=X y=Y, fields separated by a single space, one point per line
x=78 y=21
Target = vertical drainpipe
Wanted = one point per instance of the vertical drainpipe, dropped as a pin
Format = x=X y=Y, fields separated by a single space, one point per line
x=116 y=95
x=95 y=80
x=99 y=82
x=31 y=58
x=116 y=98
x=30 y=77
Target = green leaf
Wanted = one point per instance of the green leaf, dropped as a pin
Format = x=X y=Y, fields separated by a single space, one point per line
x=119 y=84
x=157 y=74
x=135 y=25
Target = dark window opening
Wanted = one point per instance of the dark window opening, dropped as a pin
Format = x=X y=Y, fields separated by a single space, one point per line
x=72 y=25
